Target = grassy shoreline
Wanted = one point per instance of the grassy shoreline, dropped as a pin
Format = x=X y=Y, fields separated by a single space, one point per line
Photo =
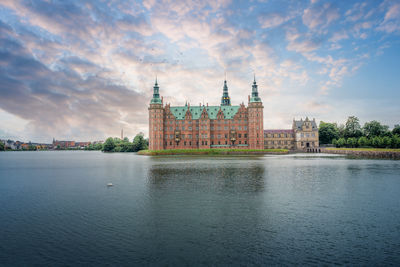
x=364 y=149
x=217 y=151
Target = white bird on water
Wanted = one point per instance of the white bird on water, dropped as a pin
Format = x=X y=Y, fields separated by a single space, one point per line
x=109 y=184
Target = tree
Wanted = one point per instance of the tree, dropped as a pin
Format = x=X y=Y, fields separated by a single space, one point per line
x=327 y=132
x=396 y=129
x=376 y=141
x=98 y=146
x=334 y=142
x=139 y=143
x=109 y=145
x=341 y=142
x=395 y=141
x=351 y=142
x=352 y=127
x=341 y=131
x=2 y=146
x=375 y=128
x=386 y=141
x=363 y=141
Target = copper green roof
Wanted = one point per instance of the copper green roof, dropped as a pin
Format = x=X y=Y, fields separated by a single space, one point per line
x=229 y=111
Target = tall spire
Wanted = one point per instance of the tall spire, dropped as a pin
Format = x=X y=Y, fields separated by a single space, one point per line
x=254 y=92
x=156 y=94
x=225 y=99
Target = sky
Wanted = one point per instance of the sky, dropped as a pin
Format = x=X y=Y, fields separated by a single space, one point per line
x=83 y=70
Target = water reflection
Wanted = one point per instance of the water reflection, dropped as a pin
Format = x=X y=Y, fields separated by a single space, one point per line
x=217 y=174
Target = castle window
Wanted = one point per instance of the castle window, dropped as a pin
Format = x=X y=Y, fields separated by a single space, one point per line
x=190 y=128
x=240 y=142
x=313 y=134
x=190 y=143
x=170 y=143
x=302 y=134
x=245 y=135
x=226 y=136
x=226 y=142
x=206 y=142
x=202 y=143
x=245 y=142
x=184 y=143
x=212 y=143
x=240 y=135
x=219 y=142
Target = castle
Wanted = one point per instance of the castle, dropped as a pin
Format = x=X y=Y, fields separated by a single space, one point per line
x=224 y=126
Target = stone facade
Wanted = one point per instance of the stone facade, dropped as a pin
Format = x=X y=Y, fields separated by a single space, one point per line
x=302 y=136
x=203 y=126
x=283 y=139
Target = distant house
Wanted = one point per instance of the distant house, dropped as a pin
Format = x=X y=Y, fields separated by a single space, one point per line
x=63 y=144
x=82 y=144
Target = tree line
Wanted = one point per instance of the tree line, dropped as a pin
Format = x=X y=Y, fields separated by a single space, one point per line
x=351 y=134
x=118 y=145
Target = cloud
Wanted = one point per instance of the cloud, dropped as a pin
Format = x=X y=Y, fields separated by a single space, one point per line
x=320 y=15
x=391 y=22
x=60 y=102
x=272 y=20
x=301 y=43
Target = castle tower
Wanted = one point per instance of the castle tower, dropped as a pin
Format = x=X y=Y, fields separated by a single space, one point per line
x=225 y=99
x=256 y=119
x=156 y=119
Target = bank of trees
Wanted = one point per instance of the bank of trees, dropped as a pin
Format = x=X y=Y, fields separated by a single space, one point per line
x=2 y=146
x=351 y=134
x=118 y=145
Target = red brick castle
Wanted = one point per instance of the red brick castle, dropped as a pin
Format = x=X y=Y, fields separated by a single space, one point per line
x=203 y=126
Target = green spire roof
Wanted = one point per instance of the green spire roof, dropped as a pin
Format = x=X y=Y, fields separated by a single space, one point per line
x=156 y=94
x=254 y=92
x=225 y=100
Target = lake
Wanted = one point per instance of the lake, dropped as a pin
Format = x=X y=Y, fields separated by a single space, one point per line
x=296 y=209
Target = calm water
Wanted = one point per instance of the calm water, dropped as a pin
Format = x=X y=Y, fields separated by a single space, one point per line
x=55 y=209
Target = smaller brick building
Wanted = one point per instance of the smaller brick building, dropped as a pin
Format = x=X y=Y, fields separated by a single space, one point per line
x=302 y=136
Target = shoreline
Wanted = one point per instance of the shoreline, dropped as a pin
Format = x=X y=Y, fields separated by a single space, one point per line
x=375 y=153
x=216 y=151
